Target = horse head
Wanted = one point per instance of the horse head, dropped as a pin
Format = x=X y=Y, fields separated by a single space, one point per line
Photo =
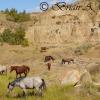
x=10 y=87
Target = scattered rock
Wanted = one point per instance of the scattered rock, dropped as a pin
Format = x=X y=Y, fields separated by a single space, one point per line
x=93 y=68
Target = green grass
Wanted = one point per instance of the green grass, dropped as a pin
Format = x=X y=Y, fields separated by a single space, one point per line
x=53 y=92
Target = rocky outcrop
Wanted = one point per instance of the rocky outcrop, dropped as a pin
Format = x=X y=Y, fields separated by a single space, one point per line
x=70 y=77
x=75 y=77
x=85 y=78
x=59 y=27
x=62 y=26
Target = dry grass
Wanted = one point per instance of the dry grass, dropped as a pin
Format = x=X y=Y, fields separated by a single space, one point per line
x=31 y=56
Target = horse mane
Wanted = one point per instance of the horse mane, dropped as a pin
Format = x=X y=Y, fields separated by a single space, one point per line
x=20 y=78
x=17 y=80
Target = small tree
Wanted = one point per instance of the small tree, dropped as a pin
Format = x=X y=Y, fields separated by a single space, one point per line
x=14 y=38
x=6 y=11
x=7 y=35
x=13 y=15
x=19 y=35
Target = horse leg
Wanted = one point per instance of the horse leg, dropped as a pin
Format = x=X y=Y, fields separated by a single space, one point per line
x=68 y=62
x=2 y=72
x=20 y=75
x=24 y=92
x=39 y=91
x=49 y=68
x=16 y=75
x=6 y=71
x=63 y=62
x=25 y=74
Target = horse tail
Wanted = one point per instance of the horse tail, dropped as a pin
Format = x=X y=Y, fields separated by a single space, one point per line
x=43 y=84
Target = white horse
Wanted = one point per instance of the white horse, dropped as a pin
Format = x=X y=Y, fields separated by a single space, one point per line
x=28 y=83
x=3 y=69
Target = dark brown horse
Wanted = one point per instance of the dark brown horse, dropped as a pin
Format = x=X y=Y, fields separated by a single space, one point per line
x=68 y=60
x=20 y=70
x=43 y=49
x=48 y=58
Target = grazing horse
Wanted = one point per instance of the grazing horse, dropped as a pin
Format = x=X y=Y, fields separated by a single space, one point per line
x=43 y=49
x=48 y=58
x=28 y=83
x=3 y=69
x=69 y=60
x=20 y=70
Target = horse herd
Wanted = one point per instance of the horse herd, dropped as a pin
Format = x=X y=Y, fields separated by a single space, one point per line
x=25 y=82
x=63 y=61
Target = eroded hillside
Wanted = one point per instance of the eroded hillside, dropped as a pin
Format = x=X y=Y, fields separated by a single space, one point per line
x=61 y=26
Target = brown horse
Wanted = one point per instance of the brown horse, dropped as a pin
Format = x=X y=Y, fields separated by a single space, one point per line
x=43 y=49
x=20 y=70
x=69 y=60
x=48 y=58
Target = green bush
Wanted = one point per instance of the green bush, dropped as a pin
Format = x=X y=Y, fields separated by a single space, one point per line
x=83 y=49
x=25 y=43
x=13 y=15
x=14 y=38
x=7 y=36
x=19 y=35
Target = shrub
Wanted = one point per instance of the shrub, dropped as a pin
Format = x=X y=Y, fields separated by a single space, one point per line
x=7 y=36
x=13 y=15
x=25 y=43
x=14 y=38
x=35 y=20
x=58 y=22
x=82 y=49
x=94 y=69
x=19 y=35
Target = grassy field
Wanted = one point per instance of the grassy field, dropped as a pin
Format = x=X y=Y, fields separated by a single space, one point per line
x=12 y=55
x=53 y=92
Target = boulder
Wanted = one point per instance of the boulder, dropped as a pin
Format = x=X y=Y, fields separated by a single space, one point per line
x=93 y=68
x=71 y=76
x=85 y=78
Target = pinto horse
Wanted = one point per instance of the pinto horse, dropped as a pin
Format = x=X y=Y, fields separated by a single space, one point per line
x=48 y=58
x=20 y=70
x=69 y=60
